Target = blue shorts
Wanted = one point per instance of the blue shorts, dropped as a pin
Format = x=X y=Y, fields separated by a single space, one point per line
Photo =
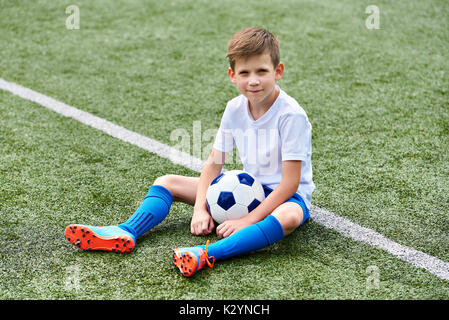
x=295 y=198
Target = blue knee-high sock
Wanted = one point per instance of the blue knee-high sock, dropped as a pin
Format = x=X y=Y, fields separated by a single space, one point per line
x=252 y=238
x=151 y=211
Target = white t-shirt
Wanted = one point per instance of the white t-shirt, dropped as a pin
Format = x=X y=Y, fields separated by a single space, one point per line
x=282 y=133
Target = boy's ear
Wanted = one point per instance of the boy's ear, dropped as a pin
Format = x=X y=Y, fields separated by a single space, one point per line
x=279 y=71
x=231 y=75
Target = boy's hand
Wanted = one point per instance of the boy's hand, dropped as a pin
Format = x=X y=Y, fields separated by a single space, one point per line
x=231 y=226
x=202 y=223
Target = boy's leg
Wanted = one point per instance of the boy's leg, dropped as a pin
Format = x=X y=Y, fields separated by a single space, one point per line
x=151 y=212
x=156 y=205
x=183 y=189
x=283 y=221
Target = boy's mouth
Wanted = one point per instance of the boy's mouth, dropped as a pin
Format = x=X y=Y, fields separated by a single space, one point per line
x=254 y=91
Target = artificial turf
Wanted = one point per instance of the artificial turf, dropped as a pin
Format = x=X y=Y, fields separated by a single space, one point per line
x=377 y=101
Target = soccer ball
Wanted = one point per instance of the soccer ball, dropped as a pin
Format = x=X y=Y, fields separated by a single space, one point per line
x=233 y=194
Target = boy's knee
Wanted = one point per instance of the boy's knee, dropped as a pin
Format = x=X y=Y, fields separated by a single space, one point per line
x=182 y=188
x=168 y=181
x=289 y=216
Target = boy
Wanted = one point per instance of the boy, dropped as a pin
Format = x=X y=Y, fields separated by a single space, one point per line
x=273 y=136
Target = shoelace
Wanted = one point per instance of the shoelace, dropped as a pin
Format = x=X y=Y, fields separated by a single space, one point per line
x=211 y=265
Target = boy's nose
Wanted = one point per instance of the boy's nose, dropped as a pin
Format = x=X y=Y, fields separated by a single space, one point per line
x=254 y=81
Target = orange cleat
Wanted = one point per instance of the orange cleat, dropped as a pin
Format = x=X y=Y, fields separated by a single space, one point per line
x=192 y=259
x=109 y=238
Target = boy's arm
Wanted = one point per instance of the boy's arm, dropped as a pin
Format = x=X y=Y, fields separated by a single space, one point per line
x=291 y=174
x=202 y=223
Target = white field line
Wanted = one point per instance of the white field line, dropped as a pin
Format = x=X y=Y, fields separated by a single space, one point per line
x=323 y=217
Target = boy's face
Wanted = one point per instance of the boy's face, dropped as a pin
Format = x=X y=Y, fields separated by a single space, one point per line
x=256 y=78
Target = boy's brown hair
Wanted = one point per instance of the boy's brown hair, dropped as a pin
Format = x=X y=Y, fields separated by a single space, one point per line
x=253 y=41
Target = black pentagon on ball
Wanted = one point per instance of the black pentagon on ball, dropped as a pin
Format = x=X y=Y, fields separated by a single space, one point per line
x=226 y=200
x=208 y=206
x=245 y=178
x=253 y=205
x=217 y=179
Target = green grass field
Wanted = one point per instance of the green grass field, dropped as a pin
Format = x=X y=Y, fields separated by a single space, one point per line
x=377 y=101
